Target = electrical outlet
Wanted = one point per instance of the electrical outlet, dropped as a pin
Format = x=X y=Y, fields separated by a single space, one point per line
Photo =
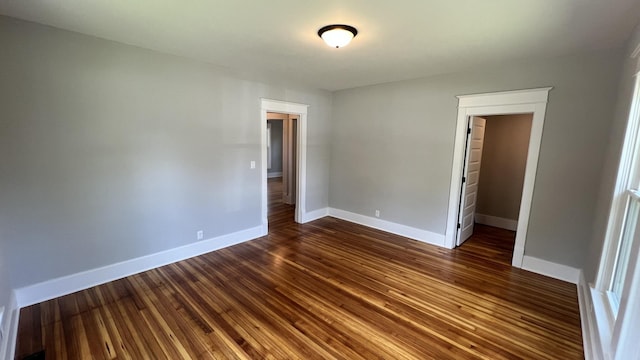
x=200 y=235
x=377 y=213
x=253 y=164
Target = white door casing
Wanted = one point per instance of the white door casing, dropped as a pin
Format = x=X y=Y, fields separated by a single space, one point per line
x=499 y=103
x=471 y=177
x=268 y=105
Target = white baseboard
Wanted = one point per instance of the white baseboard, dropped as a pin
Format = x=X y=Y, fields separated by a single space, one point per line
x=551 y=269
x=315 y=215
x=51 y=289
x=498 y=222
x=590 y=335
x=10 y=329
x=388 y=226
x=274 y=174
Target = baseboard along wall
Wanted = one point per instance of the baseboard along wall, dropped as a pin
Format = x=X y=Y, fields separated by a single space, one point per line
x=54 y=288
x=495 y=221
x=551 y=269
x=315 y=215
x=388 y=226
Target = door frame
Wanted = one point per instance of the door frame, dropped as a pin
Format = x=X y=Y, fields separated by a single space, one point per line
x=499 y=103
x=285 y=107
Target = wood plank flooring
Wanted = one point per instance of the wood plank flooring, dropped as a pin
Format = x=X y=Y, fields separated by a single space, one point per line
x=324 y=290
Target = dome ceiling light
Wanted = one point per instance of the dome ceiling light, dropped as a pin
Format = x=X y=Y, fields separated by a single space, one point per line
x=337 y=36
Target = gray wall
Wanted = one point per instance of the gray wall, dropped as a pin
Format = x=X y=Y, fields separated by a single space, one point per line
x=5 y=284
x=392 y=147
x=5 y=293
x=111 y=152
x=614 y=149
x=504 y=159
x=276 y=146
x=115 y=152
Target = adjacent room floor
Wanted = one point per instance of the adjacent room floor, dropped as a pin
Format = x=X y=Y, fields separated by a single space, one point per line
x=328 y=289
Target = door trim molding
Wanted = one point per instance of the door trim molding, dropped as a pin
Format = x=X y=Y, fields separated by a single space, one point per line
x=499 y=103
x=9 y=327
x=269 y=105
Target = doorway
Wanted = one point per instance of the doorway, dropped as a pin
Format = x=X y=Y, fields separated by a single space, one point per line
x=493 y=179
x=297 y=159
x=282 y=133
x=533 y=101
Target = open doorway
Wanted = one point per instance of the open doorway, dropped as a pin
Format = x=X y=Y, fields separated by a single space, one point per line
x=530 y=101
x=282 y=134
x=491 y=191
x=294 y=173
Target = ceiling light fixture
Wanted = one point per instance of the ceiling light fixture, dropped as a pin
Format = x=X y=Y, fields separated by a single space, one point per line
x=337 y=36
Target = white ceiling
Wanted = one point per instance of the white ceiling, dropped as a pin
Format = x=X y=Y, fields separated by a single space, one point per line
x=397 y=40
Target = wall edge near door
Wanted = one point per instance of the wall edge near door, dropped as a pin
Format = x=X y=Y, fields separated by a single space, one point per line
x=495 y=221
x=8 y=343
x=388 y=226
x=551 y=269
x=54 y=288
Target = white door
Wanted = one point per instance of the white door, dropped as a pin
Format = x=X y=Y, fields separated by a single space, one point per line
x=471 y=176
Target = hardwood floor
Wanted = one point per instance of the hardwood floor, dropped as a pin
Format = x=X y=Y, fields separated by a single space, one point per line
x=328 y=289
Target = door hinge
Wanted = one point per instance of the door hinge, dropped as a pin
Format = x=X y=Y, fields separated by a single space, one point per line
x=464 y=179
x=458 y=225
x=468 y=131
